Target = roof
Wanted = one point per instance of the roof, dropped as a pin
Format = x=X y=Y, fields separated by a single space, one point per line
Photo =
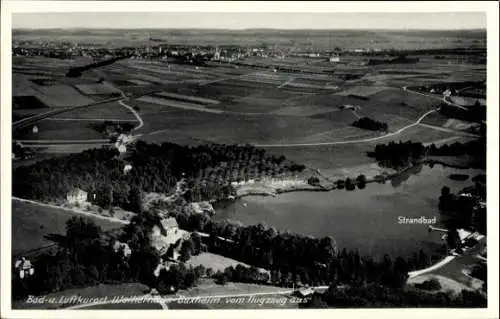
x=169 y=223
x=76 y=191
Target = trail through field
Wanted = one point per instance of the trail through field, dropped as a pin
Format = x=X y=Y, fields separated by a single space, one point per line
x=77 y=211
x=371 y=139
x=443 y=99
x=290 y=80
x=130 y=108
x=443 y=129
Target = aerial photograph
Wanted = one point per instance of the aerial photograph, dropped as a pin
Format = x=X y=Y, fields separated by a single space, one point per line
x=214 y=160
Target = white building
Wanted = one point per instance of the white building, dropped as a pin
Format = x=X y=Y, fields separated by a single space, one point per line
x=127 y=168
x=335 y=59
x=76 y=195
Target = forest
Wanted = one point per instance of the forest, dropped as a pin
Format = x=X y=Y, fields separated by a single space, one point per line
x=208 y=169
x=474 y=113
x=400 y=154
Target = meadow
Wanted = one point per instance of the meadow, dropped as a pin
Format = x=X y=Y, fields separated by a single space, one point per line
x=30 y=223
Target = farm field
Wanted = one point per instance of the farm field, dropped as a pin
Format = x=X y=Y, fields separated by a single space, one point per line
x=60 y=130
x=30 y=223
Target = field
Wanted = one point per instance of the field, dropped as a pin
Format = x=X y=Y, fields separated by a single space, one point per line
x=216 y=262
x=30 y=223
x=255 y=101
x=224 y=104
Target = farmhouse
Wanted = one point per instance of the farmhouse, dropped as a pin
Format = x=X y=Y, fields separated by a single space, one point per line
x=167 y=237
x=76 y=196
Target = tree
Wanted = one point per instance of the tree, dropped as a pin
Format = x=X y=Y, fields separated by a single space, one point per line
x=313 y=181
x=453 y=239
x=445 y=191
x=186 y=250
x=349 y=184
x=135 y=200
x=361 y=179
x=196 y=239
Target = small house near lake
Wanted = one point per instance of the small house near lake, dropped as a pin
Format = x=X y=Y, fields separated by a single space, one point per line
x=76 y=196
x=167 y=238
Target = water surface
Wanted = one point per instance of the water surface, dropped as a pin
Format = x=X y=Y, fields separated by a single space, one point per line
x=364 y=219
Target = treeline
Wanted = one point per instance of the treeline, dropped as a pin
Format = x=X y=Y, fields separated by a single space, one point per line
x=465 y=209
x=475 y=148
x=401 y=154
x=208 y=169
x=241 y=273
x=397 y=155
x=380 y=296
x=474 y=113
x=367 y=123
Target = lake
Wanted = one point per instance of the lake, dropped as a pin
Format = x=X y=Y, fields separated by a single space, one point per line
x=365 y=219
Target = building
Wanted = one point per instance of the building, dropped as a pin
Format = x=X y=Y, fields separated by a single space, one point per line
x=127 y=168
x=76 y=196
x=167 y=238
x=123 y=247
x=334 y=58
x=24 y=267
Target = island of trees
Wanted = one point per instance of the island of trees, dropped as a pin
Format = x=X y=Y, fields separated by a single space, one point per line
x=367 y=123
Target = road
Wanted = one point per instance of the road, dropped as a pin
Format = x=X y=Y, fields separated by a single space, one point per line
x=371 y=139
x=81 y=212
x=442 y=99
x=128 y=107
x=438 y=265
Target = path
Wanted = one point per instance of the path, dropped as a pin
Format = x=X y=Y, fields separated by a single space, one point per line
x=371 y=139
x=81 y=212
x=448 y=130
x=290 y=80
x=442 y=99
x=440 y=264
x=130 y=108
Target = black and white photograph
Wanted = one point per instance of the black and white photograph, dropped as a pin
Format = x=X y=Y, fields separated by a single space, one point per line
x=215 y=159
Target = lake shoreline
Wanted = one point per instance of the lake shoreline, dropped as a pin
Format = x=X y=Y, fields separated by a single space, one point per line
x=258 y=191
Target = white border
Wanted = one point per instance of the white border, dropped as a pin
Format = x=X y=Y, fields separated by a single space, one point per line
x=491 y=8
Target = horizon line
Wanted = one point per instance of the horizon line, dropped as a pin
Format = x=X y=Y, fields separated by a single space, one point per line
x=251 y=29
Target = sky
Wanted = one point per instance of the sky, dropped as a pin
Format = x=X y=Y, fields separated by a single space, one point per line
x=240 y=20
